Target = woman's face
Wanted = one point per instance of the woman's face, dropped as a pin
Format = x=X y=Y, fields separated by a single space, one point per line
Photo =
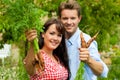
x=52 y=38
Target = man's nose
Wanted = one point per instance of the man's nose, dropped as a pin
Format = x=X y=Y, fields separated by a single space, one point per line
x=69 y=21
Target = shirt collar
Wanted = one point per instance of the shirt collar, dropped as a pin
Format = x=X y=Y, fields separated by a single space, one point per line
x=72 y=39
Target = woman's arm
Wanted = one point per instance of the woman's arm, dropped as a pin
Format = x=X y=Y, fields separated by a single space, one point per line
x=29 y=61
x=30 y=57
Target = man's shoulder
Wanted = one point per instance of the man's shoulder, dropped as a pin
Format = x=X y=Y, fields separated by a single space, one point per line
x=86 y=36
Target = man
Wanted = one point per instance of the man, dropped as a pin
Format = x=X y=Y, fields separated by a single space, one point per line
x=69 y=14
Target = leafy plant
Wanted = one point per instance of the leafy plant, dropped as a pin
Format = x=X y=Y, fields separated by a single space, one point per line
x=100 y=15
x=51 y=6
x=18 y=16
x=115 y=66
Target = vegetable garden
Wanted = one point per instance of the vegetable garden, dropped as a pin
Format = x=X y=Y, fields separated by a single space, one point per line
x=16 y=16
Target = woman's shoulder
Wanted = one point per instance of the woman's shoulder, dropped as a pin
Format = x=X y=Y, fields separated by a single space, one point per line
x=41 y=51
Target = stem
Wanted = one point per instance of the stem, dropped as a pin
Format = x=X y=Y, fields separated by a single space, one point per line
x=36 y=46
x=80 y=72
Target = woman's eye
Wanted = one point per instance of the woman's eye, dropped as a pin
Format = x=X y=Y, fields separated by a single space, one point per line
x=60 y=35
x=52 y=33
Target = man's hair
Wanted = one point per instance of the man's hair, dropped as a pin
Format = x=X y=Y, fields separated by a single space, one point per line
x=71 y=5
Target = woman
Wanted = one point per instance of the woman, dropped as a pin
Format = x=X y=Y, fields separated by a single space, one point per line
x=52 y=50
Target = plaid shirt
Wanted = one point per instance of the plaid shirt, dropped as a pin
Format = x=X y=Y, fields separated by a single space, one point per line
x=52 y=71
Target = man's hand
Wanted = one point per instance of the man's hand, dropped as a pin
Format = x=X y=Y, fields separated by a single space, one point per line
x=96 y=67
x=84 y=55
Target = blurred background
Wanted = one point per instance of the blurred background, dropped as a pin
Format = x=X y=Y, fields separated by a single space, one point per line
x=18 y=15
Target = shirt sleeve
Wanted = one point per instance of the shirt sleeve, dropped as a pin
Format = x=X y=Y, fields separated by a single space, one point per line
x=95 y=55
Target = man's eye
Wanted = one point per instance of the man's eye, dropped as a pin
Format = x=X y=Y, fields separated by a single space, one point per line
x=73 y=18
x=64 y=18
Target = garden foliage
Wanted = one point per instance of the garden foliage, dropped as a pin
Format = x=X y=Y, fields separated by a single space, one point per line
x=16 y=16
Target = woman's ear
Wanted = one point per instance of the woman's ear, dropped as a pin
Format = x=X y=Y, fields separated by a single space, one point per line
x=43 y=34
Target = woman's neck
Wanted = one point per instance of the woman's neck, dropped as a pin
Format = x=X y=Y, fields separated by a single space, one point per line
x=49 y=52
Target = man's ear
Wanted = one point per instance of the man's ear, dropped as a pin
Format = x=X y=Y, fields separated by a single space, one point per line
x=80 y=17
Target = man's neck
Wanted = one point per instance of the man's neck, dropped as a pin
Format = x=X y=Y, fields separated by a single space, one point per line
x=68 y=35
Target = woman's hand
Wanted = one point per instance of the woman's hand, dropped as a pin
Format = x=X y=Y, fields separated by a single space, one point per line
x=31 y=35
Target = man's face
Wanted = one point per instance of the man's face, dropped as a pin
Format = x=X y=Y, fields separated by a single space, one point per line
x=70 y=20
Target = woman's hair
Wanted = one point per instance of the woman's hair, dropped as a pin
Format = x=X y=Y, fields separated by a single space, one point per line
x=61 y=50
x=71 y=5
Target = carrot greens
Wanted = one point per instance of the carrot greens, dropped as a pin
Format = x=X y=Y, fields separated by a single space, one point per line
x=19 y=16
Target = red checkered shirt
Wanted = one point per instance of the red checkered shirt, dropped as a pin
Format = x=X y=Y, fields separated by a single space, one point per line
x=52 y=71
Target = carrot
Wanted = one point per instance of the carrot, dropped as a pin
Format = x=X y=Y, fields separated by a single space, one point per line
x=39 y=59
x=39 y=63
x=84 y=44
x=92 y=39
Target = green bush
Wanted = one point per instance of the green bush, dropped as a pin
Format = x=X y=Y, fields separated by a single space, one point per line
x=103 y=16
x=114 y=67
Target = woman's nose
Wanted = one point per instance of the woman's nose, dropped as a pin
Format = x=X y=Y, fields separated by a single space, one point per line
x=55 y=37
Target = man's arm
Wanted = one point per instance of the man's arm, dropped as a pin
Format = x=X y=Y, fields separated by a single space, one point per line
x=91 y=56
x=95 y=66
